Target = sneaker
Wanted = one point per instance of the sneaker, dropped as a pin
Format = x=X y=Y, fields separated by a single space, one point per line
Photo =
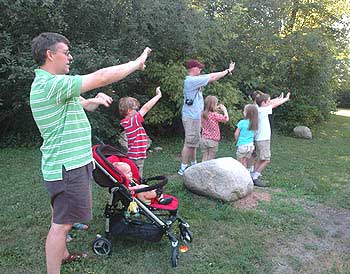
x=69 y=238
x=258 y=182
x=165 y=201
x=181 y=171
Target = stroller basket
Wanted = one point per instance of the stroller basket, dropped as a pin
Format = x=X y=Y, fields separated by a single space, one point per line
x=141 y=230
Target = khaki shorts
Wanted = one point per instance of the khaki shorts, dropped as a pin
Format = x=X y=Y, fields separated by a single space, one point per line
x=263 y=150
x=209 y=146
x=71 y=198
x=192 y=132
x=245 y=151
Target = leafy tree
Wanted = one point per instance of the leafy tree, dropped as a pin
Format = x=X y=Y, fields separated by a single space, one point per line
x=278 y=45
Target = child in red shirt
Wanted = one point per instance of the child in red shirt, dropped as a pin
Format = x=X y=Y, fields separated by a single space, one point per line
x=210 y=126
x=132 y=124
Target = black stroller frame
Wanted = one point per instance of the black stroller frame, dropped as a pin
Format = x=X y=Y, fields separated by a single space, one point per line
x=120 y=198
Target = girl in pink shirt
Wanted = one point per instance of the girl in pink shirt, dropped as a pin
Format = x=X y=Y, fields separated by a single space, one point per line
x=210 y=126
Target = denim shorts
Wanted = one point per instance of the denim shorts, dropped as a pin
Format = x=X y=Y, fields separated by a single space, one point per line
x=71 y=197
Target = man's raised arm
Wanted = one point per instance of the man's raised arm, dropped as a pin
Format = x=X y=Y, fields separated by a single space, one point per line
x=214 y=76
x=109 y=75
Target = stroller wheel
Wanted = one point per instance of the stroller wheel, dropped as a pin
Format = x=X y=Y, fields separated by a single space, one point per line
x=186 y=235
x=174 y=256
x=101 y=246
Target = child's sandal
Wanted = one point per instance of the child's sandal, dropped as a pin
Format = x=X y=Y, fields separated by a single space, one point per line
x=80 y=226
x=69 y=238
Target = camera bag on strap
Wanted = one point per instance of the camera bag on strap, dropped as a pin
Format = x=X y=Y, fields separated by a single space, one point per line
x=190 y=101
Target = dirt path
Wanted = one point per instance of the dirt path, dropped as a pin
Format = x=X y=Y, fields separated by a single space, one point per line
x=323 y=246
x=343 y=112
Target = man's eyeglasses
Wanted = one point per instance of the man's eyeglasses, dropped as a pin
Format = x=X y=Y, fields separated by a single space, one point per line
x=66 y=52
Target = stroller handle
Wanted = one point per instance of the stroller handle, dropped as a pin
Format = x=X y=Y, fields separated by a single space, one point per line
x=163 y=181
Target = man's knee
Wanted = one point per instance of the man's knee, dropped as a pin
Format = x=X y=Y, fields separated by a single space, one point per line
x=60 y=228
x=266 y=162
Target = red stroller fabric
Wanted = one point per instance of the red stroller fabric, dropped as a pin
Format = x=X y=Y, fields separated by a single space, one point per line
x=107 y=164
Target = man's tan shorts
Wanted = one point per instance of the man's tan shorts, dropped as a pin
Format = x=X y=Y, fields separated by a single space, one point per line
x=209 y=146
x=245 y=151
x=263 y=150
x=192 y=132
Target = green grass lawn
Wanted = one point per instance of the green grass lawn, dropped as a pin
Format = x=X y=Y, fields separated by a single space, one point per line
x=226 y=239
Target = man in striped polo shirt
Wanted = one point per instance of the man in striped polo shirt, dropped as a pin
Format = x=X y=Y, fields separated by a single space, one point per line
x=66 y=132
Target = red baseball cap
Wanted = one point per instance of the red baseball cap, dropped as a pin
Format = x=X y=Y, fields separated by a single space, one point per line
x=194 y=64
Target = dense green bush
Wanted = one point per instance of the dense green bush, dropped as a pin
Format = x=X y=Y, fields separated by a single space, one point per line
x=343 y=99
x=295 y=114
x=343 y=93
x=277 y=47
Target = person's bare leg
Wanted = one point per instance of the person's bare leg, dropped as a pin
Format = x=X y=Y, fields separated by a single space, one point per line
x=188 y=154
x=261 y=165
x=211 y=154
x=193 y=156
x=205 y=155
x=65 y=253
x=243 y=161
x=55 y=248
x=250 y=162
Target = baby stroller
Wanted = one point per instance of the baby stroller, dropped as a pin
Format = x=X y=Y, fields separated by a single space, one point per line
x=147 y=222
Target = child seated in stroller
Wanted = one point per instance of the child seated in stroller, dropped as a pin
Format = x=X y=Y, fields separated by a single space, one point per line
x=147 y=196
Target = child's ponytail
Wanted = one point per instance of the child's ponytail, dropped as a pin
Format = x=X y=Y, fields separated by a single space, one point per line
x=251 y=113
x=210 y=104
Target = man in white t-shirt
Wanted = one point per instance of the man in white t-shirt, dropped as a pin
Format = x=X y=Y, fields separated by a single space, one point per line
x=263 y=135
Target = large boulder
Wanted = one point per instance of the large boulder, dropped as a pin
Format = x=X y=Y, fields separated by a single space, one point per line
x=223 y=178
x=302 y=132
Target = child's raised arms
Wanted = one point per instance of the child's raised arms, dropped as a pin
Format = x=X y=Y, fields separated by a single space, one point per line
x=146 y=107
x=279 y=101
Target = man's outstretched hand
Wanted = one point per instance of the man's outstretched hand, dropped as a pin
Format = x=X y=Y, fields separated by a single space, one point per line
x=231 y=67
x=143 y=57
x=104 y=99
x=158 y=92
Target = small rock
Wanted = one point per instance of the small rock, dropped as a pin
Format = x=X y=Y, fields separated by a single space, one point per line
x=302 y=132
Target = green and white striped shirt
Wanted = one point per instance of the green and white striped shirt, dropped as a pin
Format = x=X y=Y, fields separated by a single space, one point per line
x=64 y=127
